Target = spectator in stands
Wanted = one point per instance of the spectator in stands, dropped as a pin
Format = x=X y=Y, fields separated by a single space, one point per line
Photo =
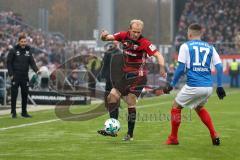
x=170 y=72
x=220 y=19
x=234 y=71
x=2 y=84
x=92 y=77
x=237 y=41
x=44 y=43
x=44 y=78
x=73 y=78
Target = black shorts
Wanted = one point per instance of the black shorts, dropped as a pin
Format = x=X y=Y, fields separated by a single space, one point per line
x=125 y=82
x=132 y=85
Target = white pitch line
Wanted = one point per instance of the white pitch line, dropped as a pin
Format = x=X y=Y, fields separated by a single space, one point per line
x=154 y=104
x=29 y=124
x=54 y=120
x=3 y=117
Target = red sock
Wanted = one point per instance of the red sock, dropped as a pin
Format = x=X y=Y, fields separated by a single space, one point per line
x=206 y=119
x=175 y=121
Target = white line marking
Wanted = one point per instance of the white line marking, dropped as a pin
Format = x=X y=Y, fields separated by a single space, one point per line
x=54 y=120
x=29 y=124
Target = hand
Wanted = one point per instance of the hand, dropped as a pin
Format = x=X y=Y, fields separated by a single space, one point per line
x=220 y=92
x=158 y=92
x=103 y=35
x=167 y=89
x=39 y=72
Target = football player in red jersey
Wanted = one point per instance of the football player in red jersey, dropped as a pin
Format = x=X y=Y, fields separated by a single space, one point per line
x=132 y=71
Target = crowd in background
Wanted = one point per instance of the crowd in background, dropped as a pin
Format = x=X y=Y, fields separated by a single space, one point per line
x=50 y=50
x=220 y=19
x=47 y=47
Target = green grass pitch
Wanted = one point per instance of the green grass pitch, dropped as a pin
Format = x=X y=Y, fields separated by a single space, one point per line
x=46 y=137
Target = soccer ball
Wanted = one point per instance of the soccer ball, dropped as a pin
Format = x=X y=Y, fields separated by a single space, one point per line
x=112 y=126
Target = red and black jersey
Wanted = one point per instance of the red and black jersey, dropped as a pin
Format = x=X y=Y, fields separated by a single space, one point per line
x=135 y=52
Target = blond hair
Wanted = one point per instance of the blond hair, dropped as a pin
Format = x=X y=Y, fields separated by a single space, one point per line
x=136 y=21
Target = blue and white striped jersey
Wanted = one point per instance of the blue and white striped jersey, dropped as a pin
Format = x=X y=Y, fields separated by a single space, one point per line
x=198 y=56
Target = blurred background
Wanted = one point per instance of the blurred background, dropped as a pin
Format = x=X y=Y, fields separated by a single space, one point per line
x=62 y=31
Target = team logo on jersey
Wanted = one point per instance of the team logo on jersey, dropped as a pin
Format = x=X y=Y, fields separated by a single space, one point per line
x=135 y=47
x=130 y=45
x=152 y=47
x=27 y=53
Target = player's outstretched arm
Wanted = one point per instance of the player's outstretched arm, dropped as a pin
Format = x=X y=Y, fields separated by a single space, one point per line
x=220 y=91
x=161 y=63
x=105 y=36
x=178 y=73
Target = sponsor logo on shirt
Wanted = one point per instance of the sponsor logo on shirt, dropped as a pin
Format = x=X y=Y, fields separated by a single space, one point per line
x=130 y=53
x=152 y=47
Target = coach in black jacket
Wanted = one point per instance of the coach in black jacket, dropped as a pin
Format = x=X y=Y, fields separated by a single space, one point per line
x=18 y=61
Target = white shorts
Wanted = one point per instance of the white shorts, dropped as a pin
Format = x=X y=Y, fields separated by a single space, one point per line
x=191 y=97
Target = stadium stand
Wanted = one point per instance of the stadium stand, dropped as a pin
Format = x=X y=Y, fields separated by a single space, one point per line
x=220 y=19
x=48 y=48
x=51 y=50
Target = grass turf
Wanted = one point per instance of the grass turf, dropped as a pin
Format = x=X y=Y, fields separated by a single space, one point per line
x=46 y=137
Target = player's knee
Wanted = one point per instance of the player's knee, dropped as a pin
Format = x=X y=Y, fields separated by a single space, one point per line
x=198 y=108
x=176 y=105
x=131 y=100
x=113 y=96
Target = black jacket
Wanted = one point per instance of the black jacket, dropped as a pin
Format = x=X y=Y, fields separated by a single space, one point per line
x=105 y=73
x=18 y=62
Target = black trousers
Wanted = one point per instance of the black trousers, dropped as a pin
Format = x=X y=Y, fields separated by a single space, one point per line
x=234 y=80
x=24 y=85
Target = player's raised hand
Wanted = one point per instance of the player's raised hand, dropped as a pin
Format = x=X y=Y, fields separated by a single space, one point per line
x=104 y=35
x=220 y=92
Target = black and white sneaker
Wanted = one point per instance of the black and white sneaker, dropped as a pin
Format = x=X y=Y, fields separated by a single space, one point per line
x=104 y=133
x=128 y=138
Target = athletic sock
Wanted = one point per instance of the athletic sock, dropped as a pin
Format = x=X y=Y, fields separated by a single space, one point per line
x=131 y=120
x=113 y=109
x=175 y=121
x=206 y=119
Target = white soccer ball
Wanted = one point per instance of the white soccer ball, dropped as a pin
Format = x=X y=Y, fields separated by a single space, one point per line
x=112 y=126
